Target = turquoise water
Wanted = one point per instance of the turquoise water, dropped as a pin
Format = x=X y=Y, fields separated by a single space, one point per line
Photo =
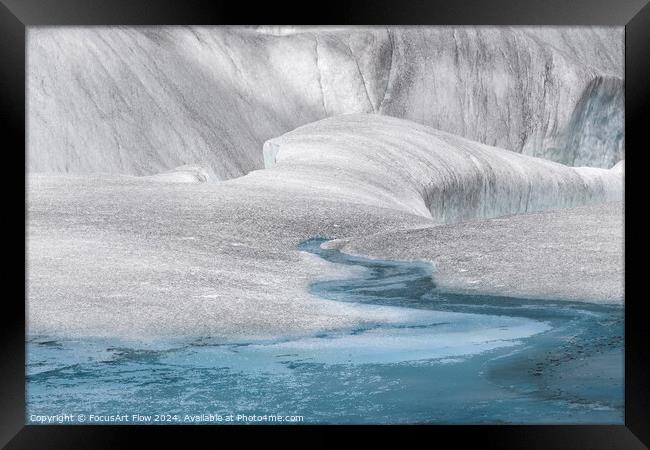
x=458 y=359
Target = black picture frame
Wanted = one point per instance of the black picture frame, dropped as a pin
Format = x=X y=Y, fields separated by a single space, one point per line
x=16 y=15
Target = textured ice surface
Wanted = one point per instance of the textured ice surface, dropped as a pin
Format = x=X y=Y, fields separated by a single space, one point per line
x=149 y=248
x=123 y=256
x=390 y=162
x=594 y=135
x=183 y=174
x=574 y=253
x=165 y=285
x=143 y=100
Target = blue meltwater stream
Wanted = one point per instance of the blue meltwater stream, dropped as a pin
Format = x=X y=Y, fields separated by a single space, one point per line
x=458 y=359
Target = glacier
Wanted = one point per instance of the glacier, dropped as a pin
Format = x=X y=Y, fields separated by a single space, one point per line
x=571 y=254
x=390 y=162
x=144 y=100
x=136 y=256
x=173 y=171
x=327 y=213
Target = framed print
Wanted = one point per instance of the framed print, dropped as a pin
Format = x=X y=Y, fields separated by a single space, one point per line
x=376 y=214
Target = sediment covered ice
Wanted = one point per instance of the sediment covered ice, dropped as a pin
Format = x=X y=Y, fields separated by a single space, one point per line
x=141 y=100
x=568 y=254
x=122 y=255
x=390 y=162
x=384 y=139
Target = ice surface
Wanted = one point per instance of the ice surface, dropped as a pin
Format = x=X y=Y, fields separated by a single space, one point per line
x=142 y=100
x=120 y=255
x=123 y=256
x=458 y=335
x=183 y=174
x=390 y=162
x=125 y=124
x=573 y=254
x=182 y=181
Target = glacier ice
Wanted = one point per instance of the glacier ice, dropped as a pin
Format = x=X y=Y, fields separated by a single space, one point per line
x=594 y=134
x=142 y=100
x=131 y=269
x=569 y=254
x=183 y=174
x=390 y=162
x=366 y=132
x=112 y=255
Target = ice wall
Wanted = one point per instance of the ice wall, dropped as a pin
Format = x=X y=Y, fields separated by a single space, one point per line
x=142 y=100
x=594 y=135
x=394 y=163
